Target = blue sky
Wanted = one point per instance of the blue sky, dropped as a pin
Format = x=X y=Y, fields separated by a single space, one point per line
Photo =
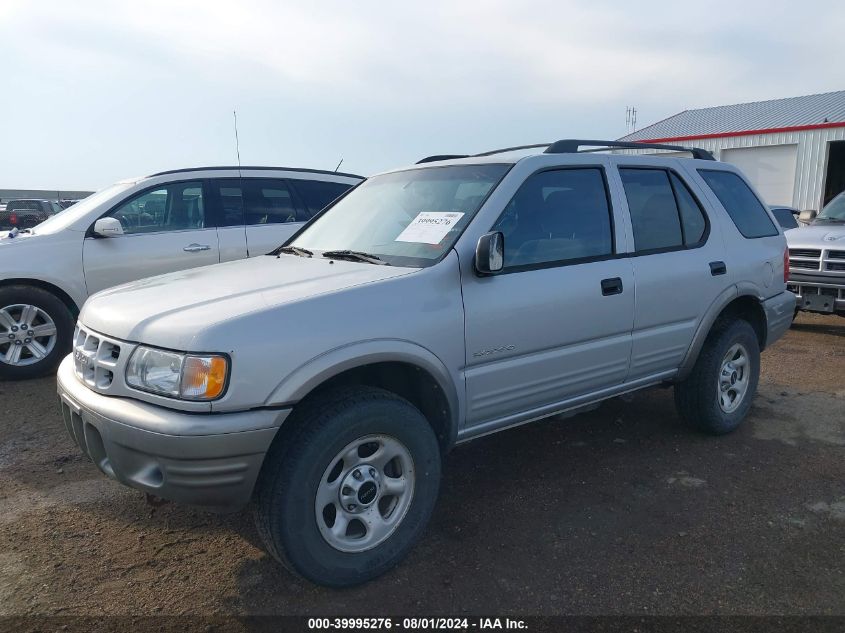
x=94 y=91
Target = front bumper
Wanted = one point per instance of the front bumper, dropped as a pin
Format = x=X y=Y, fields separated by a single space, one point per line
x=809 y=289
x=169 y=453
x=780 y=310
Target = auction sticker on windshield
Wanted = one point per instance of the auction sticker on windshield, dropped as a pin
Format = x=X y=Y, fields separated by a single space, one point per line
x=430 y=227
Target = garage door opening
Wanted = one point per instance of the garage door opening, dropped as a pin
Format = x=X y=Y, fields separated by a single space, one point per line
x=835 y=175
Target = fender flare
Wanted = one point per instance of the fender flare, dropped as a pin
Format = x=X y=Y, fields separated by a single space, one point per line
x=727 y=296
x=310 y=375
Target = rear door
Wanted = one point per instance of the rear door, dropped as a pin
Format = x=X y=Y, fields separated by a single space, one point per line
x=272 y=213
x=165 y=229
x=679 y=266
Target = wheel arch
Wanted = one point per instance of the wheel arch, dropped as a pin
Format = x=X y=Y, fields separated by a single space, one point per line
x=400 y=367
x=734 y=302
x=60 y=293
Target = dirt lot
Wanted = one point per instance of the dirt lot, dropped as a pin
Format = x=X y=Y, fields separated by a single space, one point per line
x=617 y=511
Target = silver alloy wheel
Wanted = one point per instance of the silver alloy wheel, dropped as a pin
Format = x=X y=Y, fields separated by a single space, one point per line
x=733 y=378
x=27 y=334
x=365 y=493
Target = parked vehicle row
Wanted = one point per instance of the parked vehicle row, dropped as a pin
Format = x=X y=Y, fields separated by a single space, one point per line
x=430 y=305
x=137 y=228
x=25 y=214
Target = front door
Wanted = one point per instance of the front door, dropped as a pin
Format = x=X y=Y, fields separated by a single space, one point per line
x=164 y=230
x=556 y=322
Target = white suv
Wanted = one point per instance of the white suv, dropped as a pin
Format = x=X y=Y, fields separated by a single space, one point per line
x=137 y=228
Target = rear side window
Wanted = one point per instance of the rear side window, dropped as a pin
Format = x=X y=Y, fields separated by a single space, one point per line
x=664 y=214
x=317 y=194
x=747 y=212
x=270 y=202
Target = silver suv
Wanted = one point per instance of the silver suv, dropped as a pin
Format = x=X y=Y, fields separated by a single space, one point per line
x=427 y=307
x=169 y=221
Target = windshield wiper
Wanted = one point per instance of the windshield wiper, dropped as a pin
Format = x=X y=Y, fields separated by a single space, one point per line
x=356 y=256
x=293 y=250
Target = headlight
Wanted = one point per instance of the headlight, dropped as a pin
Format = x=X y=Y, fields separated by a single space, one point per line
x=186 y=376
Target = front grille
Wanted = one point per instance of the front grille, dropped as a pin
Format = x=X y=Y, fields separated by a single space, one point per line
x=836 y=266
x=805 y=265
x=836 y=254
x=94 y=358
x=803 y=252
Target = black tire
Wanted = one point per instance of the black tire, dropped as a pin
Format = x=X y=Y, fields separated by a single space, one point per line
x=284 y=504
x=696 y=397
x=57 y=311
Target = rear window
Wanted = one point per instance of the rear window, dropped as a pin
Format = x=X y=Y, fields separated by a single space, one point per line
x=317 y=194
x=24 y=205
x=747 y=212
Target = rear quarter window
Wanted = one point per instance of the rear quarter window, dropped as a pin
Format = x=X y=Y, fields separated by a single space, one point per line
x=747 y=212
x=317 y=194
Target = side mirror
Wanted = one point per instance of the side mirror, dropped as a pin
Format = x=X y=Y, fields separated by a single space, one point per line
x=108 y=227
x=490 y=253
x=807 y=215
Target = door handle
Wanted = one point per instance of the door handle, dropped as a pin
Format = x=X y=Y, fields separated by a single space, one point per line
x=196 y=248
x=611 y=286
x=718 y=268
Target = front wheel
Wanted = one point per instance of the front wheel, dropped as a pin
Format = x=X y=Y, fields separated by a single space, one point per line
x=717 y=395
x=36 y=328
x=345 y=496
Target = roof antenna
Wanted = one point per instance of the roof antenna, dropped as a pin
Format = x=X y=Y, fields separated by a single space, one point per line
x=237 y=142
x=339 y=164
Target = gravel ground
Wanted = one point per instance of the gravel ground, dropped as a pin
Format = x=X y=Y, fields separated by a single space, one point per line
x=620 y=511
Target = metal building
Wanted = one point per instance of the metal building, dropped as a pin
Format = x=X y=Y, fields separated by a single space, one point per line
x=792 y=150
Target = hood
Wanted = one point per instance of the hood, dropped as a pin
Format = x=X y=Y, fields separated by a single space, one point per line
x=172 y=310
x=21 y=237
x=817 y=236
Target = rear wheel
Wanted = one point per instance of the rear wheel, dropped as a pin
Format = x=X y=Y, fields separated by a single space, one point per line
x=343 y=497
x=36 y=328
x=717 y=395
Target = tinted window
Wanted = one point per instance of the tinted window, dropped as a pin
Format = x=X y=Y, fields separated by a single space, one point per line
x=557 y=216
x=175 y=207
x=693 y=222
x=785 y=218
x=654 y=214
x=317 y=194
x=746 y=211
x=270 y=202
x=229 y=197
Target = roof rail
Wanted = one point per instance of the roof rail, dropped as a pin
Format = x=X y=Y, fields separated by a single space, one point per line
x=437 y=157
x=254 y=168
x=572 y=146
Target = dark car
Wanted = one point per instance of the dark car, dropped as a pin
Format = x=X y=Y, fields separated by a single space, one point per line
x=25 y=214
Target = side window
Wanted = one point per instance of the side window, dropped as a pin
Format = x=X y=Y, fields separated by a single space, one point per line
x=270 y=202
x=746 y=211
x=317 y=194
x=175 y=207
x=693 y=222
x=229 y=195
x=556 y=216
x=654 y=214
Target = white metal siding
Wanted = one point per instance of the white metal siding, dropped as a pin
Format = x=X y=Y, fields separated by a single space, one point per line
x=770 y=168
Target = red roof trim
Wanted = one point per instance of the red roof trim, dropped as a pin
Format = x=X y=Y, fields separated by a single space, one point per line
x=772 y=130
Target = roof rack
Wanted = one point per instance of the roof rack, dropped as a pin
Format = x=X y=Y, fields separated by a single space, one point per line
x=436 y=157
x=254 y=168
x=572 y=146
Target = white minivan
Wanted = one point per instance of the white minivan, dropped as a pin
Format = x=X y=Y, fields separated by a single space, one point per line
x=170 y=221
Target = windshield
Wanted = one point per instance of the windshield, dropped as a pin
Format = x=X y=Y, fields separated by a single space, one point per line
x=835 y=209
x=406 y=218
x=65 y=218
